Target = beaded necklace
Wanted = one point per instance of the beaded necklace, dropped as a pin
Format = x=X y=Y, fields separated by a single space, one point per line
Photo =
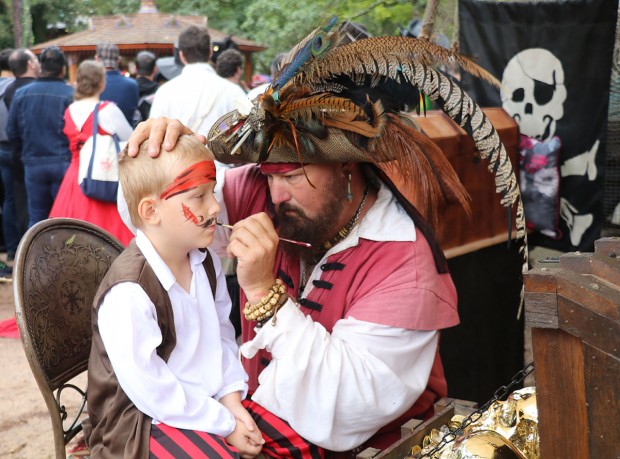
x=306 y=267
x=346 y=229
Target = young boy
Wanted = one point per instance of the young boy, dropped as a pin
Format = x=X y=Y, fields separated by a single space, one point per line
x=164 y=378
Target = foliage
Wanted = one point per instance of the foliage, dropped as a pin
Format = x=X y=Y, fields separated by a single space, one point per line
x=277 y=24
x=105 y=7
x=6 y=25
x=280 y=24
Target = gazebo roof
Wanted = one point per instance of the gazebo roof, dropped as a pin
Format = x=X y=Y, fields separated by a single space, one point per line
x=146 y=29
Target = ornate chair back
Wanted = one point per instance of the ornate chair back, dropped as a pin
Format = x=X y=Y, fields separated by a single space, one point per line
x=58 y=267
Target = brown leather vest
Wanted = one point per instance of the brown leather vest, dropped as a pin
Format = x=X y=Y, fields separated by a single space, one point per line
x=117 y=428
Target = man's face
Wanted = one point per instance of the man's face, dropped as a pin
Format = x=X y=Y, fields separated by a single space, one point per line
x=305 y=213
x=34 y=64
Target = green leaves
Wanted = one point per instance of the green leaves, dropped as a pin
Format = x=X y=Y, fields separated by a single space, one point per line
x=277 y=24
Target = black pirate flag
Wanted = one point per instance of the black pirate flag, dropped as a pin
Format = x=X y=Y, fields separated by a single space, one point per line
x=554 y=60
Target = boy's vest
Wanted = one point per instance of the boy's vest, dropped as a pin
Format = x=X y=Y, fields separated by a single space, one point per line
x=116 y=428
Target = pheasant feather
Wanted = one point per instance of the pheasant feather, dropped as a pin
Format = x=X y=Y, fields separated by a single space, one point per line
x=379 y=57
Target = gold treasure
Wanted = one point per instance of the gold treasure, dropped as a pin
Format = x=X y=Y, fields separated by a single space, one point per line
x=506 y=430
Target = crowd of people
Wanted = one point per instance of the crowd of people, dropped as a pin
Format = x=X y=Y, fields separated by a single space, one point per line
x=44 y=121
x=343 y=288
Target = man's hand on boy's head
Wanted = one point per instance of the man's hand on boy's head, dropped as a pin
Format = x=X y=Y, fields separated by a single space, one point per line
x=160 y=132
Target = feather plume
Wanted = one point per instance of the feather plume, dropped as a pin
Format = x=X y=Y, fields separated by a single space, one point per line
x=320 y=105
x=314 y=44
x=423 y=165
x=382 y=57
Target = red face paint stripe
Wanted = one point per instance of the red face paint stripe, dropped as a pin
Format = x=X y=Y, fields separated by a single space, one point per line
x=198 y=174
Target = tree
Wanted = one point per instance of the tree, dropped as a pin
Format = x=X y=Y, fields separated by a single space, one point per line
x=280 y=24
x=277 y=24
x=18 y=25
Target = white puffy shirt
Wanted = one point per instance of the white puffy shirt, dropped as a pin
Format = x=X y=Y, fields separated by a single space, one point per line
x=204 y=365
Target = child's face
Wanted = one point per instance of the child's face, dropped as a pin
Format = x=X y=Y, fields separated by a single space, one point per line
x=188 y=208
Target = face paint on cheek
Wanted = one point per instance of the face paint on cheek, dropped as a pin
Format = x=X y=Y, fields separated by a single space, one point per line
x=197 y=220
x=189 y=215
x=195 y=175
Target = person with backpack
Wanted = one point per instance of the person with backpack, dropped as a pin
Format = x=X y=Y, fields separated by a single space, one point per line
x=79 y=120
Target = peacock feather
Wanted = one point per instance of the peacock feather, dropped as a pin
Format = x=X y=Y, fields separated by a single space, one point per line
x=315 y=44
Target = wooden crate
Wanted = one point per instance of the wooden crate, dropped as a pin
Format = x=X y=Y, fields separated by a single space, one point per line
x=414 y=431
x=574 y=310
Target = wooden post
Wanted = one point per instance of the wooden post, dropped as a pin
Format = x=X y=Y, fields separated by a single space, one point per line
x=72 y=63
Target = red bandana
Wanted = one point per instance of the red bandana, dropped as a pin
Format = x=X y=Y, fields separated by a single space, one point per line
x=278 y=168
x=198 y=174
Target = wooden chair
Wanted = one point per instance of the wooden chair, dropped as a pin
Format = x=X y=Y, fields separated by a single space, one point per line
x=58 y=267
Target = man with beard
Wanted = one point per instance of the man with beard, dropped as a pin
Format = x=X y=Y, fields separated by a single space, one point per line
x=340 y=339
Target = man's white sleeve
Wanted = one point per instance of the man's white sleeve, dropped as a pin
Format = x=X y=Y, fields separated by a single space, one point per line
x=337 y=390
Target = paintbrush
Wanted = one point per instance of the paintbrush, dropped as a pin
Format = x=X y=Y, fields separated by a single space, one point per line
x=290 y=241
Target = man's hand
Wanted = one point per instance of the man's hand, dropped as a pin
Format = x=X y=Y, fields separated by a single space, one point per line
x=160 y=132
x=253 y=243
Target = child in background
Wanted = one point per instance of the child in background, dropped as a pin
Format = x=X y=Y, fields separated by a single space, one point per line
x=78 y=127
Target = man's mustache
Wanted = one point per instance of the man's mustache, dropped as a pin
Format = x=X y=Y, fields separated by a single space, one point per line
x=286 y=208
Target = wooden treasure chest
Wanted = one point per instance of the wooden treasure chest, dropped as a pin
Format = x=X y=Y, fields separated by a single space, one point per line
x=488 y=223
x=573 y=309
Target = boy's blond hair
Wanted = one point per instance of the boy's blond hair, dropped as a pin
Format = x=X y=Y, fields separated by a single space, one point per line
x=144 y=176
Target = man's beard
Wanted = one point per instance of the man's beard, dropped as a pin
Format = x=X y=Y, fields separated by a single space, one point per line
x=293 y=223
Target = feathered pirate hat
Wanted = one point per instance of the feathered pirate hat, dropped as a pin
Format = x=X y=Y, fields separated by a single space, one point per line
x=339 y=101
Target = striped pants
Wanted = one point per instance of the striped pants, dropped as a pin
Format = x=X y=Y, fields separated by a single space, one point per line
x=280 y=440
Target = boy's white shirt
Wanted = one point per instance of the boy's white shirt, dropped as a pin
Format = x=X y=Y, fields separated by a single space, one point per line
x=204 y=365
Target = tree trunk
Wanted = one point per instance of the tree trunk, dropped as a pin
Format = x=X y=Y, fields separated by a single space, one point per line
x=428 y=24
x=18 y=23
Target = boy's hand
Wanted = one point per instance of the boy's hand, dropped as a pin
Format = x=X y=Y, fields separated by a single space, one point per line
x=246 y=441
x=249 y=428
x=159 y=132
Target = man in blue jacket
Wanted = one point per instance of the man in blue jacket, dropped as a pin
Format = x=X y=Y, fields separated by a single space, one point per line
x=35 y=127
x=119 y=89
